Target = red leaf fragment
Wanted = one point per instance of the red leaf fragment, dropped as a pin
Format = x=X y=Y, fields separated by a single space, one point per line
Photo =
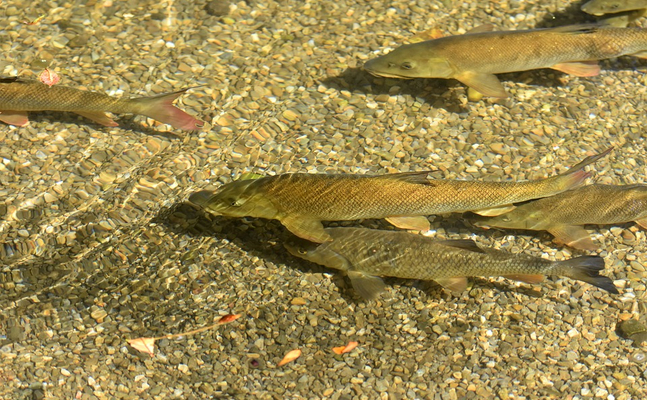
x=50 y=78
x=228 y=318
x=289 y=357
x=145 y=345
x=345 y=349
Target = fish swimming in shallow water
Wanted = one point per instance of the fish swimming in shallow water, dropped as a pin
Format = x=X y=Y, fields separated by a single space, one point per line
x=18 y=96
x=301 y=201
x=563 y=214
x=474 y=58
x=620 y=12
x=601 y=7
x=366 y=255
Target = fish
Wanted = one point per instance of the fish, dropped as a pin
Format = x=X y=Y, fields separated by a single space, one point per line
x=618 y=13
x=602 y=7
x=475 y=57
x=301 y=201
x=18 y=96
x=367 y=255
x=564 y=214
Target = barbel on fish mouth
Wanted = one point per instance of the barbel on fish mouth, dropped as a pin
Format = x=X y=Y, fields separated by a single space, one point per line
x=475 y=57
x=301 y=201
x=367 y=255
x=18 y=96
x=564 y=214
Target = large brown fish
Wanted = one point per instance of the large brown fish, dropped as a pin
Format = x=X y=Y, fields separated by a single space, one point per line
x=365 y=255
x=17 y=96
x=474 y=58
x=562 y=215
x=302 y=201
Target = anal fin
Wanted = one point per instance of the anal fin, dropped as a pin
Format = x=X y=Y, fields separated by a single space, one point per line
x=579 y=68
x=455 y=284
x=495 y=211
x=98 y=117
x=309 y=229
x=642 y=222
x=367 y=286
x=417 y=223
x=574 y=236
x=17 y=118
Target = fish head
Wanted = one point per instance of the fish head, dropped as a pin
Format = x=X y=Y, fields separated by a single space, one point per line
x=411 y=61
x=318 y=253
x=236 y=199
x=601 y=7
x=519 y=218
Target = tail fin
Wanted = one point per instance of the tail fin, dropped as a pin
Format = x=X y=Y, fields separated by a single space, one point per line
x=576 y=175
x=587 y=269
x=161 y=109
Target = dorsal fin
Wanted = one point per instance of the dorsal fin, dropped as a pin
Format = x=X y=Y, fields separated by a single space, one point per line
x=465 y=244
x=419 y=177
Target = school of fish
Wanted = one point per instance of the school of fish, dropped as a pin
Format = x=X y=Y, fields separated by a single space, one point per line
x=301 y=202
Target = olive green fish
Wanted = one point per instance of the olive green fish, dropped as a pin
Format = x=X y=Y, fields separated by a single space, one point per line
x=619 y=12
x=365 y=255
x=17 y=96
x=302 y=201
x=601 y=7
x=474 y=58
x=563 y=214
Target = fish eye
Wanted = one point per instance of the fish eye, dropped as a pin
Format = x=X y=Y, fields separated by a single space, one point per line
x=406 y=65
x=233 y=202
x=301 y=250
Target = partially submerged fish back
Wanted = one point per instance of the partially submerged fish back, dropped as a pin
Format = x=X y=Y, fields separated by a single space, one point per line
x=30 y=95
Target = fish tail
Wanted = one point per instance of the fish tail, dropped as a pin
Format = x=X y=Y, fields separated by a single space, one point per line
x=161 y=108
x=576 y=175
x=587 y=269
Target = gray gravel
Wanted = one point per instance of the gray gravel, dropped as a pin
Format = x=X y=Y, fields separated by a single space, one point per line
x=98 y=245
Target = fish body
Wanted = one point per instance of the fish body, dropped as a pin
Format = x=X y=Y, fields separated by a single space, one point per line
x=18 y=96
x=366 y=255
x=602 y=7
x=474 y=58
x=302 y=201
x=563 y=214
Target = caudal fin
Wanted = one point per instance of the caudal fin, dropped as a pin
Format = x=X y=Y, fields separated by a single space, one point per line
x=161 y=109
x=587 y=269
x=576 y=176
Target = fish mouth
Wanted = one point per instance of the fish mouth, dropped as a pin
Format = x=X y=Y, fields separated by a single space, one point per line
x=201 y=198
x=385 y=75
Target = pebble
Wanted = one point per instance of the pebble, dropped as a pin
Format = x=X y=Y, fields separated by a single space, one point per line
x=98 y=244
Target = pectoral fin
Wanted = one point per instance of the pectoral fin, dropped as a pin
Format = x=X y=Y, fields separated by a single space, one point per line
x=456 y=284
x=574 y=236
x=309 y=229
x=17 y=118
x=495 y=211
x=642 y=222
x=367 y=286
x=578 y=68
x=98 y=117
x=488 y=84
x=525 y=278
x=414 y=223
